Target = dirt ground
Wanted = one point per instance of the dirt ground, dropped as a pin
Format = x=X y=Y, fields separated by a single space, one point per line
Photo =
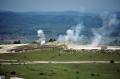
x=5 y=48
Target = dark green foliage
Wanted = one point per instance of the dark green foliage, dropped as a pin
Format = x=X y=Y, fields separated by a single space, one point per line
x=112 y=61
x=65 y=70
x=17 y=42
x=13 y=72
x=92 y=74
x=95 y=74
x=51 y=40
x=118 y=70
x=77 y=72
x=41 y=73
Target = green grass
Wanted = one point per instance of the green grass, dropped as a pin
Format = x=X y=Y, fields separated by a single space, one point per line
x=56 y=54
x=63 y=71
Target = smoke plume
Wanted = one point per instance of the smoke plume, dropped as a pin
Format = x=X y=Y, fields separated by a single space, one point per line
x=41 y=37
x=73 y=35
x=100 y=36
x=96 y=39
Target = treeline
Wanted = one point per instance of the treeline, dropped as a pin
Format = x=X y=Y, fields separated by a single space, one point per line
x=11 y=42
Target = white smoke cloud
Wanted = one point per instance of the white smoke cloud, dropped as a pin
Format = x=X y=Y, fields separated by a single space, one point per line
x=100 y=35
x=73 y=35
x=41 y=37
x=70 y=36
x=113 y=20
x=96 y=39
x=109 y=21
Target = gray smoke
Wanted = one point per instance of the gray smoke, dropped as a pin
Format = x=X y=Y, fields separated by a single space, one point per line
x=41 y=37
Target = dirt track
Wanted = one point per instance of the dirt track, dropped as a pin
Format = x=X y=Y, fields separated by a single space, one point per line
x=54 y=62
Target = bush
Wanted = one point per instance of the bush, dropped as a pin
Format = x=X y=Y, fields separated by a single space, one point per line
x=118 y=70
x=92 y=74
x=65 y=69
x=77 y=72
x=42 y=73
x=13 y=73
x=17 y=42
x=51 y=40
x=59 y=54
x=25 y=56
x=95 y=74
x=112 y=61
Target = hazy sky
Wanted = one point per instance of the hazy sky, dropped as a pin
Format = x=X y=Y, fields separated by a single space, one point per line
x=60 y=5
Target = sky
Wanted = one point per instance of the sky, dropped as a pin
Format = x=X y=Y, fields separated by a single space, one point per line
x=60 y=5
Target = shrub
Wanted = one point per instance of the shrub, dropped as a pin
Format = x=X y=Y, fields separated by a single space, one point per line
x=118 y=70
x=13 y=72
x=92 y=74
x=95 y=74
x=65 y=69
x=112 y=61
x=42 y=73
x=17 y=42
x=51 y=40
x=77 y=72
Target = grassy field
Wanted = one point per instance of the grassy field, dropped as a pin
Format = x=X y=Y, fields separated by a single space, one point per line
x=56 y=54
x=63 y=71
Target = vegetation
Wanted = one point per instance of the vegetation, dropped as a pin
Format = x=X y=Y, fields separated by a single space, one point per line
x=17 y=42
x=112 y=61
x=63 y=71
x=51 y=40
x=60 y=54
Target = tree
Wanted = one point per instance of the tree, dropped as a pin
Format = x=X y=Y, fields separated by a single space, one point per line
x=51 y=40
x=17 y=42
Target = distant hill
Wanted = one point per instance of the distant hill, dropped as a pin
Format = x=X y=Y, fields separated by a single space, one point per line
x=19 y=25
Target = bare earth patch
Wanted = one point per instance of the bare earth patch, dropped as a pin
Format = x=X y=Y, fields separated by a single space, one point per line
x=7 y=47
